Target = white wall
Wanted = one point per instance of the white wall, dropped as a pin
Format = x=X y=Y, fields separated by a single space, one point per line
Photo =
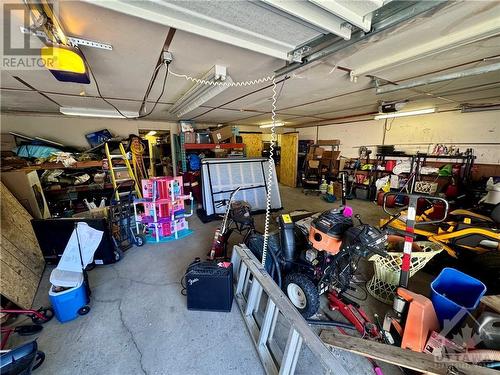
x=71 y=131
x=464 y=130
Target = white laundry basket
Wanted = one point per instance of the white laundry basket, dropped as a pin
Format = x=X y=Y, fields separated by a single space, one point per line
x=382 y=286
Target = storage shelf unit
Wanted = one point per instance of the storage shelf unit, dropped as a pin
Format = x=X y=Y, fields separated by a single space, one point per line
x=212 y=146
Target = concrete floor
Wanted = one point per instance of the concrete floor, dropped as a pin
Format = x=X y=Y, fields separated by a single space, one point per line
x=139 y=323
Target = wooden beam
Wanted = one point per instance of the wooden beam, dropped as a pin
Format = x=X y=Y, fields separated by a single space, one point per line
x=422 y=362
x=493 y=302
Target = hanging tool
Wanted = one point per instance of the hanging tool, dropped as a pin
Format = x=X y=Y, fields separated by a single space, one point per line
x=137 y=149
x=112 y=168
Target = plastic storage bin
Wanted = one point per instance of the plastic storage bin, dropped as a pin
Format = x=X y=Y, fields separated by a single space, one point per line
x=67 y=304
x=454 y=291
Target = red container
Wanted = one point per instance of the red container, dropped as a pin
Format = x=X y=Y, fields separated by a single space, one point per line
x=389 y=165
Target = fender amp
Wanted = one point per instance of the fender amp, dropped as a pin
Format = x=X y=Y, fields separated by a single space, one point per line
x=209 y=287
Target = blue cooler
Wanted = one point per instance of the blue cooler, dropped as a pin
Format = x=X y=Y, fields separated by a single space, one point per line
x=454 y=291
x=70 y=303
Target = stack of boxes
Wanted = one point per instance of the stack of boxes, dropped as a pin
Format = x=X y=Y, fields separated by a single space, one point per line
x=163 y=212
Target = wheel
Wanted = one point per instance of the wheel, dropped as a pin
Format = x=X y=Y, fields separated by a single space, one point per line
x=140 y=239
x=83 y=310
x=118 y=255
x=28 y=330
x=39 y=358
x=302 y=293
x=48 y=314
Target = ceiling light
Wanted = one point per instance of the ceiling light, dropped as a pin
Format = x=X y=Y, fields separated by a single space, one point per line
x=403 y=114
x=264 y=126
x=151 y=133
x=92 y=112
x=199 y=93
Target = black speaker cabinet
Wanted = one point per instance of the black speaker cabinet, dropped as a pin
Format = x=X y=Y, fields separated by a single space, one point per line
x=209 y=287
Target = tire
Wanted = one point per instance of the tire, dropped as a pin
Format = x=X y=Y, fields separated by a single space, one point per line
x=302 y=293
x=140 y=240
x=486 y=267
x=39 y=358
x=47 y=312
x=28 y=330
x=83 y=310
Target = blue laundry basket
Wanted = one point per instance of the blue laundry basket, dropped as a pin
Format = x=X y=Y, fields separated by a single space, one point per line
x=454 y=291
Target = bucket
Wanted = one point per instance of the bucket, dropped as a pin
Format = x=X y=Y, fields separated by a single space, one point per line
x=389 y=165
x=454 y=292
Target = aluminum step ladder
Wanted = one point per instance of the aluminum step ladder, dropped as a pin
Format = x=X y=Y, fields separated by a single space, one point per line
x=117 y=169
x=255 y=291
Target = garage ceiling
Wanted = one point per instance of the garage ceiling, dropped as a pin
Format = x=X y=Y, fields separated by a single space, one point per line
x=319 y=93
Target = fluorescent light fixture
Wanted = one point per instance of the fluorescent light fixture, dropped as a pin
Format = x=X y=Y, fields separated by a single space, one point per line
x=199 y=93
x=93 y=112
x=278 y=123
x=151 y=133
x=404 y=114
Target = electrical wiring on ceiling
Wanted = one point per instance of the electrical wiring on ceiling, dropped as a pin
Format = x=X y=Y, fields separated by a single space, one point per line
x=151 y=84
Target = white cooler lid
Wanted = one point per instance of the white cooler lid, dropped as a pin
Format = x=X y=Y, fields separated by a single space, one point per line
x=66 y=279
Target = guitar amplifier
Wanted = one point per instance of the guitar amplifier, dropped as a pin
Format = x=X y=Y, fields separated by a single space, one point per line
x=209 y=287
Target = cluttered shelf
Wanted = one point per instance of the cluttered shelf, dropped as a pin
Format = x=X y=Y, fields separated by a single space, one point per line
x=212 y=146
x=78 y=188
x=77 y=165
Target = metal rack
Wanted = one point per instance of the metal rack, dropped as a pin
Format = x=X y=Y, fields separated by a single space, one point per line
x=420 y=159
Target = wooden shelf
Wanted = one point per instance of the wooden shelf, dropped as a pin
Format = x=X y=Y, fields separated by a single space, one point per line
x=78 y=165
x=87 y=187
x=77 y=188
x=212 y=146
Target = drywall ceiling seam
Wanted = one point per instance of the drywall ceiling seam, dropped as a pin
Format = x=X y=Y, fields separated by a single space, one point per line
x=35 y=90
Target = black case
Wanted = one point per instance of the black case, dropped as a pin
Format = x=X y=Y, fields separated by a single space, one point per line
x=53 y=236
x=209 y=287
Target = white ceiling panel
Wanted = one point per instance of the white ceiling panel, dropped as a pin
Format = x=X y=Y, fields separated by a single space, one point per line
x=25 y=102
x=8 y=81
x=458 y=18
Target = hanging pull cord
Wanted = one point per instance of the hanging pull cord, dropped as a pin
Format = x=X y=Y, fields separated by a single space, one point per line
x=270 y=171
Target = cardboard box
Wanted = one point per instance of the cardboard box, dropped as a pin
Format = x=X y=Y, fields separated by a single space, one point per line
x=7 y=143
x=189 y=137
x=337 y=190
x=27 y=189
x=440 y=346
x=221 y=134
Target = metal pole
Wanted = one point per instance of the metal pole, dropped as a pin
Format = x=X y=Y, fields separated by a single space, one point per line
x=445 y=77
